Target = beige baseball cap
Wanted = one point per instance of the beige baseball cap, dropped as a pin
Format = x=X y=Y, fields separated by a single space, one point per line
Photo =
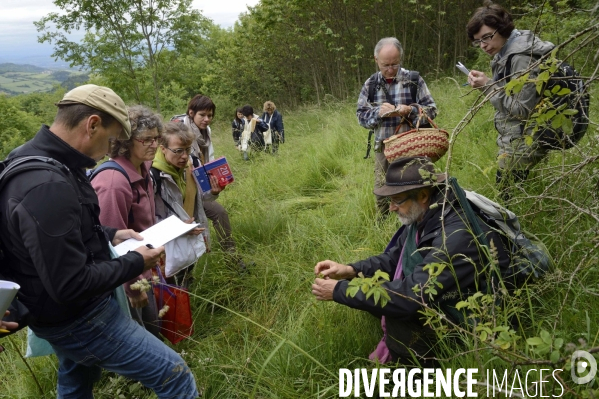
x=103 y=99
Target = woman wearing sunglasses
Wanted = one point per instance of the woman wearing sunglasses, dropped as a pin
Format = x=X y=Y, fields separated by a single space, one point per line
x=127 y=199
x=492 y=29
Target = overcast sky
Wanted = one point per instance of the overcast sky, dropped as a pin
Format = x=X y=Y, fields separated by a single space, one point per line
x=18 y=36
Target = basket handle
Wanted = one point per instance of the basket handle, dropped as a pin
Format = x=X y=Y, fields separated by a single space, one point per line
x=421 y=113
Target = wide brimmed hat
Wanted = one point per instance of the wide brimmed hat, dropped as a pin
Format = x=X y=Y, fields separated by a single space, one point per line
x=103 y=99
x=409 y=173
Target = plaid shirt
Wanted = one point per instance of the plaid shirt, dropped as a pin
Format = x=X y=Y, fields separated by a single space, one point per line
x=399 y=91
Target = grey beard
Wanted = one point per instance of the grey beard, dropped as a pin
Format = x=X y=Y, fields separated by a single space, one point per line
x=411 y=216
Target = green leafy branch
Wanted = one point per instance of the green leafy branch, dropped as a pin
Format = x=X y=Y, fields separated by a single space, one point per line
x=431 y=285
x=547 y=113
x=371 y=287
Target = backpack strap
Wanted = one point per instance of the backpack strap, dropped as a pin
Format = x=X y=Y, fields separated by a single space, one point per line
x=474 y=224
x=113 y=165
x=195 y=161
x=155 y=173
x=178 y=118
x=110 y=164
x=374 y=86
x=414 y=78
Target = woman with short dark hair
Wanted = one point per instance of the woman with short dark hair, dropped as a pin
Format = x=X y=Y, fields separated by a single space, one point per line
x=200 y=112
x=237 y=127
x=492 y=29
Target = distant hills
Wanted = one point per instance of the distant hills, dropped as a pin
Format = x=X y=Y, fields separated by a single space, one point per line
x=25 y=78
x=10 y=67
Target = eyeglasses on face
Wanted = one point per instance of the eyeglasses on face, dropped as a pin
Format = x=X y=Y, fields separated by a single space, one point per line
x=398 y=202
x=485 y=39
x=147 y=141
x=394 y=66
x=179 y=151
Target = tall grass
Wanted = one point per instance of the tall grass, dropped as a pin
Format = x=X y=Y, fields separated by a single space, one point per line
x=262 y=334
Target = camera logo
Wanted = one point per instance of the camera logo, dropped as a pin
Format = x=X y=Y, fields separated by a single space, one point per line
x=582 y=362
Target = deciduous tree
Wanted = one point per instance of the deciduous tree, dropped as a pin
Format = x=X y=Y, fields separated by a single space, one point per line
x=124 y=40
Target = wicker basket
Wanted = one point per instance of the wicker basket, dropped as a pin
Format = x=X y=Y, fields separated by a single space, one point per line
x=426 y=142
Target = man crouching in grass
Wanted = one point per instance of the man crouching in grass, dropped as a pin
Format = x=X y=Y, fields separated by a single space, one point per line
x=434 y=231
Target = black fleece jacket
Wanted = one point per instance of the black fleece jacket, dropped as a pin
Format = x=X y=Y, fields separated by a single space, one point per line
x=55 y=249
x=464 y=276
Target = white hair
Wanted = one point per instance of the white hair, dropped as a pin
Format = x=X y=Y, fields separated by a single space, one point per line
x=385 y=41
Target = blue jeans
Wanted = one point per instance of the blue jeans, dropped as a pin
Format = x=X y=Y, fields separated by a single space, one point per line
x=106 y=338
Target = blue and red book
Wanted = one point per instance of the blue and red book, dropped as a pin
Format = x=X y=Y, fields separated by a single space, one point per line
x=219 y=168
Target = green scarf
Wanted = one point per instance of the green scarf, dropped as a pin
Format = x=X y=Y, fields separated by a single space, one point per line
x=161 y=164
x=411 y=255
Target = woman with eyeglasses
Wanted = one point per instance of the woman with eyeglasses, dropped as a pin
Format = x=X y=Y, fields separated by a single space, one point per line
x=126 y=198
x=492 y=29
x=176 y=192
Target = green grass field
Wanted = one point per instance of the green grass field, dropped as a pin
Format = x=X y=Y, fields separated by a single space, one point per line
x=26 y=82
x=262 y=335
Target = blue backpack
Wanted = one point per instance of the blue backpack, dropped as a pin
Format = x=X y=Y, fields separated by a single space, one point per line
x=112 y=165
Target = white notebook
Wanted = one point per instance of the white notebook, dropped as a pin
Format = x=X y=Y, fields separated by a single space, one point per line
x=157 y=235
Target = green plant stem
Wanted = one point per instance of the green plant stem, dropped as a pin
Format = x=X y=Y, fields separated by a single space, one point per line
x=270 y=355
x=267 y=330
x=26 y=364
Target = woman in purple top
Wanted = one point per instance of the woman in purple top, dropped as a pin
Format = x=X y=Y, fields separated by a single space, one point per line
x=127 y=201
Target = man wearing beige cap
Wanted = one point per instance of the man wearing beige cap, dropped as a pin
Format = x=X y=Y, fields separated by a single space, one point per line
x=57 y=251
x=433 y=231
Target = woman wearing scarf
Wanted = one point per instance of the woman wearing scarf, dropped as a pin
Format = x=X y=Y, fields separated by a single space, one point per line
x=175 y=190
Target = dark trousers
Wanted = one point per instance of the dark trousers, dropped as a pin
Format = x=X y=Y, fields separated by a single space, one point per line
x=410 y=341
x=220 y=220
x=507 y=179
x=380 y=169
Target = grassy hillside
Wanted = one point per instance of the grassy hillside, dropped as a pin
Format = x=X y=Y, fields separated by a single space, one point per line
x=24 y=79
x=262 y=335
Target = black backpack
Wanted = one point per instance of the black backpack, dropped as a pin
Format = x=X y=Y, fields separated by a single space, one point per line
x=378 y=85
x=8 y=169
x=564 y=99
x=178 y=118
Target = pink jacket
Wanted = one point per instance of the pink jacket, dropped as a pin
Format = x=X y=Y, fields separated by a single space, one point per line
x=116 y=198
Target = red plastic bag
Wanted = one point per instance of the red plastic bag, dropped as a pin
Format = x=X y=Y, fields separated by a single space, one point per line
x=177 y=322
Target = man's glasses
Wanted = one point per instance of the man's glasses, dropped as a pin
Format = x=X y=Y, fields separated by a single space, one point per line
x=485 y=39
x=147 y=141
x=394 y=66
x=398 y=202
x=179 y=151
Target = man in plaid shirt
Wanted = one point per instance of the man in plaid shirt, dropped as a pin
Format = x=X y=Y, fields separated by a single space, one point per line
x=392 y=106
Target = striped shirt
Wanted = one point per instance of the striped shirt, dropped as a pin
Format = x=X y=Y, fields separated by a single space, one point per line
x=399 y=91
